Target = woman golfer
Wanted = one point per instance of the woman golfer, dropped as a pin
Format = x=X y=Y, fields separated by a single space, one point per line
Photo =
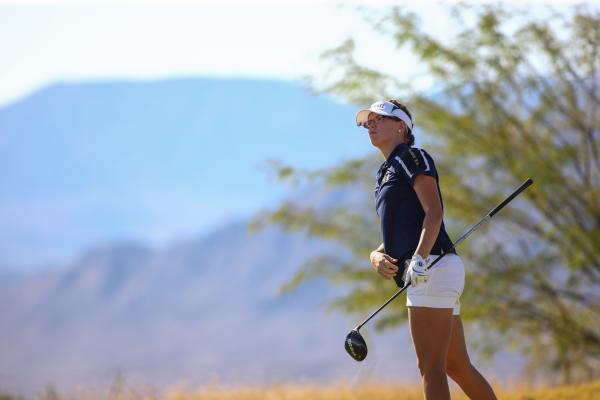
x=409 y=205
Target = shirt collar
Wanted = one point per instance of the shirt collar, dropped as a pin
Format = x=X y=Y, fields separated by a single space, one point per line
x=397 y=151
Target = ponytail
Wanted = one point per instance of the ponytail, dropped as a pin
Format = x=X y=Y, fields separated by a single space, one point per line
x=409 y=138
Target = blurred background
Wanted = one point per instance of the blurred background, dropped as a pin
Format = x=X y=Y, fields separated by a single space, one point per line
x=184 y=196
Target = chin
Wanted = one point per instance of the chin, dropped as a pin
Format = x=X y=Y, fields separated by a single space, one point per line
x=374 y=142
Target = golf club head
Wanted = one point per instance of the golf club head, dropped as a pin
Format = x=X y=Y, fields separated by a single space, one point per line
x=356 y=345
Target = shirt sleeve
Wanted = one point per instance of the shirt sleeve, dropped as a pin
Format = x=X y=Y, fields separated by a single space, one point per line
x=414 y=161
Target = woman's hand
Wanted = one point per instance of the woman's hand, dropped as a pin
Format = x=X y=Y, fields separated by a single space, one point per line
x=417 y=271
x=384 y=264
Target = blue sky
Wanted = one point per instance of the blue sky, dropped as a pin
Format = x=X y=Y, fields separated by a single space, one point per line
x=45 y=41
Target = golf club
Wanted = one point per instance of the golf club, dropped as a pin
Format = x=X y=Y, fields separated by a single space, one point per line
x=355 y=344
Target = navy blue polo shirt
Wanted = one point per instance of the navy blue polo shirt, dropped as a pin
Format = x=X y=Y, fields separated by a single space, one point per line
x=399 y=208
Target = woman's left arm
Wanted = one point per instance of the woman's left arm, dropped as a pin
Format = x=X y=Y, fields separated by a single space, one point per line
x=426 y=188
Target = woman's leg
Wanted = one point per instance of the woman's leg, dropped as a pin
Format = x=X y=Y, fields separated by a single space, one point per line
x=460 y=369
x=430 y=329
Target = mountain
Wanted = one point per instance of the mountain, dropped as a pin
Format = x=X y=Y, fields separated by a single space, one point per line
x=196 y=310
x=192 y=312
x=83 y=163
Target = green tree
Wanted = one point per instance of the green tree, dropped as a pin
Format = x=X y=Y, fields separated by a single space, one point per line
x=515 y=96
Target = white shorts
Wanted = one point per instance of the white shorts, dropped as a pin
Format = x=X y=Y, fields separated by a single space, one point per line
x=444 y=286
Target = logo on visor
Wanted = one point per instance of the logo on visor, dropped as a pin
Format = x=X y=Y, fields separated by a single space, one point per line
x=379 y=105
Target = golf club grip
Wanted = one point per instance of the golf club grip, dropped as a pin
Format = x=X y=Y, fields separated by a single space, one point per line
x=489 y=215
x=500 y=206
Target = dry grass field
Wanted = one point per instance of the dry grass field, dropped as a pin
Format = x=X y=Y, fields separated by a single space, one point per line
x=589 y=391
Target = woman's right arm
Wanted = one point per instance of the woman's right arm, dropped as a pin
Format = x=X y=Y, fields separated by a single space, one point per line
x=384 y=264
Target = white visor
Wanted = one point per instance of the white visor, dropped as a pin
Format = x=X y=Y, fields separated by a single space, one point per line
x=384 y=108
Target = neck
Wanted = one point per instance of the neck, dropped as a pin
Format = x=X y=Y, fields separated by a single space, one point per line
x=387 y=148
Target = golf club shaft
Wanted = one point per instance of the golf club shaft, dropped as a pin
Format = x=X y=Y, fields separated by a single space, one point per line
x=488 y=216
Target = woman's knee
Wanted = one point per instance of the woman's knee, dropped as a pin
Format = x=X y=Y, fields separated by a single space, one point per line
x=431 y=367
x=458 y=368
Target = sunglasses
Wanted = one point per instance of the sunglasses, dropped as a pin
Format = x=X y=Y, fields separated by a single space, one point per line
x=372 y=123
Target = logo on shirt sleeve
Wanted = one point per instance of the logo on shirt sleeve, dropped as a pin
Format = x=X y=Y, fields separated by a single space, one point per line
x=415 y=158
x=413 y=161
